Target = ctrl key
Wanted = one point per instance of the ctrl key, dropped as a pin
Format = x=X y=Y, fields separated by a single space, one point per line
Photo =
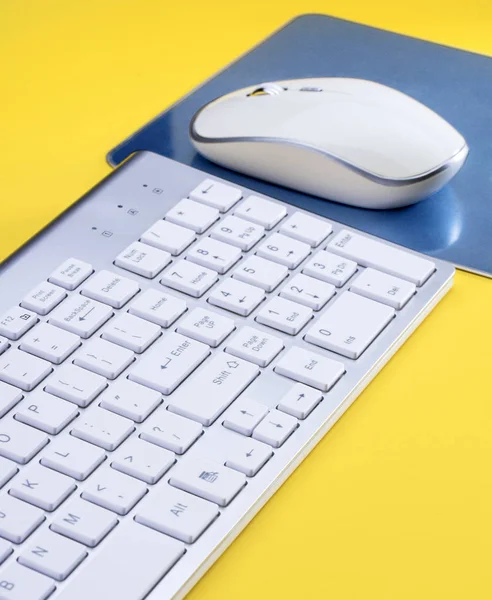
x=19 y=583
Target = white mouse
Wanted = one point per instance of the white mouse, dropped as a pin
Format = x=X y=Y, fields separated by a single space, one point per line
x=349 y=140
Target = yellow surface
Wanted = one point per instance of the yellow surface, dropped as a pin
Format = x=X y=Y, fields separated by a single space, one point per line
x=395 y=502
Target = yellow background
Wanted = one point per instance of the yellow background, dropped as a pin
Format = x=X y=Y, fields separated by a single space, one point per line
x=395 y=502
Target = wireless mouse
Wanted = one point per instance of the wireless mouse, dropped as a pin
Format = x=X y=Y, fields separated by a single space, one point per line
x=349 y=140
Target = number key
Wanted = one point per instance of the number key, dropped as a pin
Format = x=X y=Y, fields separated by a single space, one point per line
x=236 y=296
x=189 y=278
x=214 y=254
x=308 y=291
x=261 y=272
x=330 y=268
x=284 y=250
x=284 y=315
x=238 y=232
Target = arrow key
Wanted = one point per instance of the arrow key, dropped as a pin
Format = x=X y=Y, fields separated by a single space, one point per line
x=244 y=416
x=249 y=460
x=275 y=428
x=300 y=400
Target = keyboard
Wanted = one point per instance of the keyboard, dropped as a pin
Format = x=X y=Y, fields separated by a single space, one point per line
x=171 y=348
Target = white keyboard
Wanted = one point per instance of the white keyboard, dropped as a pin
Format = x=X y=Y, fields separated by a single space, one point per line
x=171 y=348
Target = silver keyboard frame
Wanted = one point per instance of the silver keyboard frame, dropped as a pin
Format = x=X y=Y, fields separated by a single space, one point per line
x=151 y=184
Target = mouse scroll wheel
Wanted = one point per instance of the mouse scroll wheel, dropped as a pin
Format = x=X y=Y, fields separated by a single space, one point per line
x=268 y=89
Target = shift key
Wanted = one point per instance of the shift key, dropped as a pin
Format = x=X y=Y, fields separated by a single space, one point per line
x=169 y=363
x=209 y=392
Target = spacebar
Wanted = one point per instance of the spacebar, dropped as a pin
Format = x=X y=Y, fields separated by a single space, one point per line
x=130 y=563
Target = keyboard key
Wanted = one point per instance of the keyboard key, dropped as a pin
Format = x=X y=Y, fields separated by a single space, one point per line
x=75 y=385
x=284 y=250
x=189 y=278
x=71 y=273
x=102 y=428
x=379 y=255
x=131 y=400
x=7 y=470
x=261 y=272
x=308 y=291
x=207 y=479
x=143 y=259
x=171 y=431
x=238 y=232
x=72 y=457
x=214 y=255
x=261 y=211
x=275 y=428
x=110 y=288
x=206 y=326
x=114 y=491
x=16 y=321
x=52 y=555
x=42 y=487
x=216 y=194
x=104 y=358
x=193 y=215
x=330 y=268
x=51 y=343
x=306 y=228
x=251 y=458
x=131 y=332
x=18 y=519
x=350 y=325
x=142 y=460
x=310 y=368
x=158 y=307
x=210 y=391
x=236 y=296
x=300 y=401
x=23 y=370
x=177 y=514
x=244 y=415
x=81 y=316
x=169 y=362
x=19 y=583
x=4 y=344
x=284 y=315
x=128 y=566
x=43 y=298
x=384 y=288
x=84 y=522
x=46 y=412
x=9 y=397
x=168 y=236
x=5 y=550
x=19 y=442
x=255 y=346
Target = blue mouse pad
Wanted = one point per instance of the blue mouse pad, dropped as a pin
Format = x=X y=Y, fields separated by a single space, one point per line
x=454 y=224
